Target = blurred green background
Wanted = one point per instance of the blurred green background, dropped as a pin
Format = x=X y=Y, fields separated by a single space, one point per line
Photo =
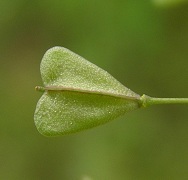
x=142 y=45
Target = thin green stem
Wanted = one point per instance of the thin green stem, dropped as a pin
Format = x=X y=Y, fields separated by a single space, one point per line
x=147 y=101
x=144 y=100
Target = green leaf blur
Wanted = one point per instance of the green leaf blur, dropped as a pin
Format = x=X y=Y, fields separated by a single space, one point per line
x=169 y=3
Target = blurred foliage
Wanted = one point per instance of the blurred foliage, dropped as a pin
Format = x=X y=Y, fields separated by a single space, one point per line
x=143 y=46
x=169 y=3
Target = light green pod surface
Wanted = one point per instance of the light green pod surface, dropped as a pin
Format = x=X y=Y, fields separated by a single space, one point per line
x=62 y=67
x=69 y=112
x=79 y=94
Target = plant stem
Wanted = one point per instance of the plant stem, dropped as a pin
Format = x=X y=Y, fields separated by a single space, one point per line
x=147 y=101
x=144 y=100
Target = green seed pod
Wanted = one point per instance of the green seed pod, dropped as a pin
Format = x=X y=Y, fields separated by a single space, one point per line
x=78 y=95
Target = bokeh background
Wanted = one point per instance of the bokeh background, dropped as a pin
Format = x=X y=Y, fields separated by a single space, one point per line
x=142 y=44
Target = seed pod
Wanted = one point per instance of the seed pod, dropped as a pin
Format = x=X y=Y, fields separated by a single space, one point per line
x=78 y=95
